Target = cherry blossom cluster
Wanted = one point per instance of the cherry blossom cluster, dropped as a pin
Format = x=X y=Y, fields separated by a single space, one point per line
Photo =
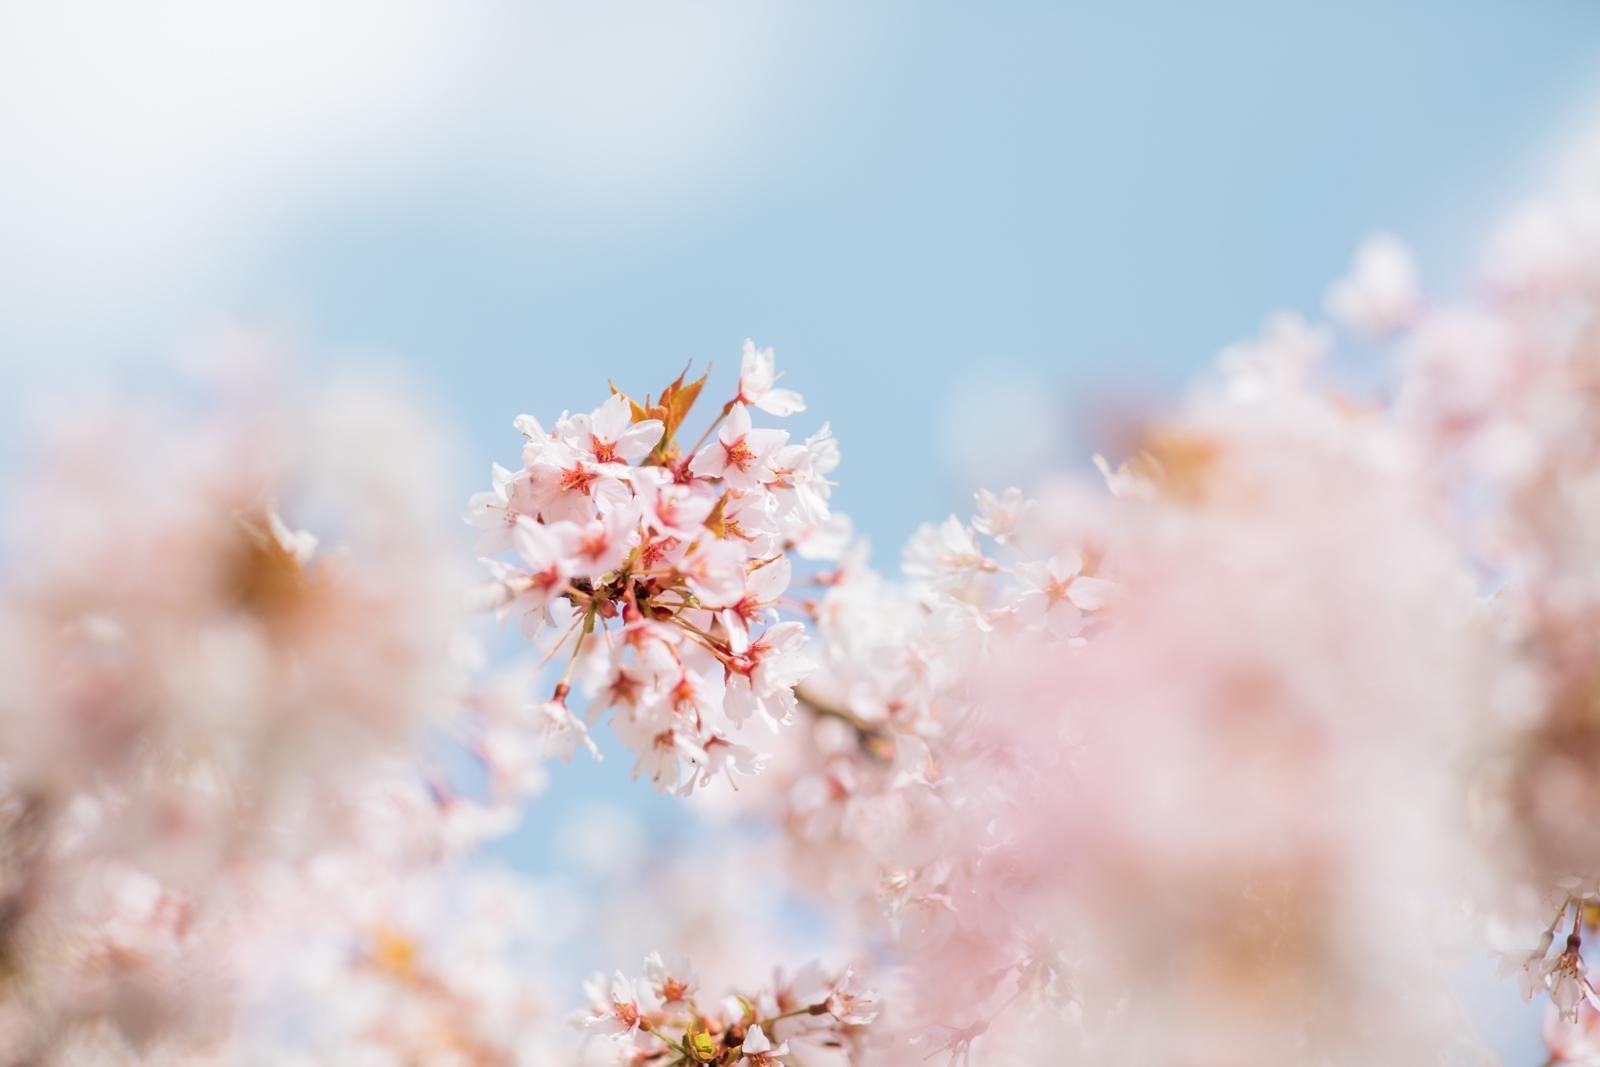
x=198 y=695
x=1501 y=395
x=1079 y=766
x=444 y=966
x=1220 y=802
x=872 y=814
x=662 y=568
x=661 y=1018
x=1265 y=732
x=861 y=789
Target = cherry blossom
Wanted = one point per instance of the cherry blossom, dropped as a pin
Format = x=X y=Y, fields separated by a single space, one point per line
x=756 y=377
x=560 y=731
x=610 y=435
x=740 y=455
x=672 y=983
x=616 y=1006
x=948 y=554
x=759 y=1051
x=756 y=602
x=1566 y=978
x=1057 y=593
x=497 y=509
x=762 y=677
x=1381 y=291
x=1001 y=515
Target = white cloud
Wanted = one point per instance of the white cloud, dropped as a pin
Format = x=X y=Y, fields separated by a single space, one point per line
x=143 y=139
x=151 y=148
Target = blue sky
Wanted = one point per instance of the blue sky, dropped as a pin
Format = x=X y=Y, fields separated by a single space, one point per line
x=1063 y=207
x=936 y=202
x=969 y=230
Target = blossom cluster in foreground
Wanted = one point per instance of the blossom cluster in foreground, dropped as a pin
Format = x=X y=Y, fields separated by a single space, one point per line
x=662 y=1017
x=663 y=567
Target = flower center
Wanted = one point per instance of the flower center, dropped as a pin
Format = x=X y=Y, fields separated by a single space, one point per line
x=577 y=479
x=739 y=454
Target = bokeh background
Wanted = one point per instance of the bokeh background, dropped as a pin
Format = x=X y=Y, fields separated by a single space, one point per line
x=975 y=234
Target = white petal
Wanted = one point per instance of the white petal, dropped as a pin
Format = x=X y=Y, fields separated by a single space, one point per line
x=781 y=402
x=738 y=423
x=1090 y=594
x=639 y=439
x=755 y=1040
